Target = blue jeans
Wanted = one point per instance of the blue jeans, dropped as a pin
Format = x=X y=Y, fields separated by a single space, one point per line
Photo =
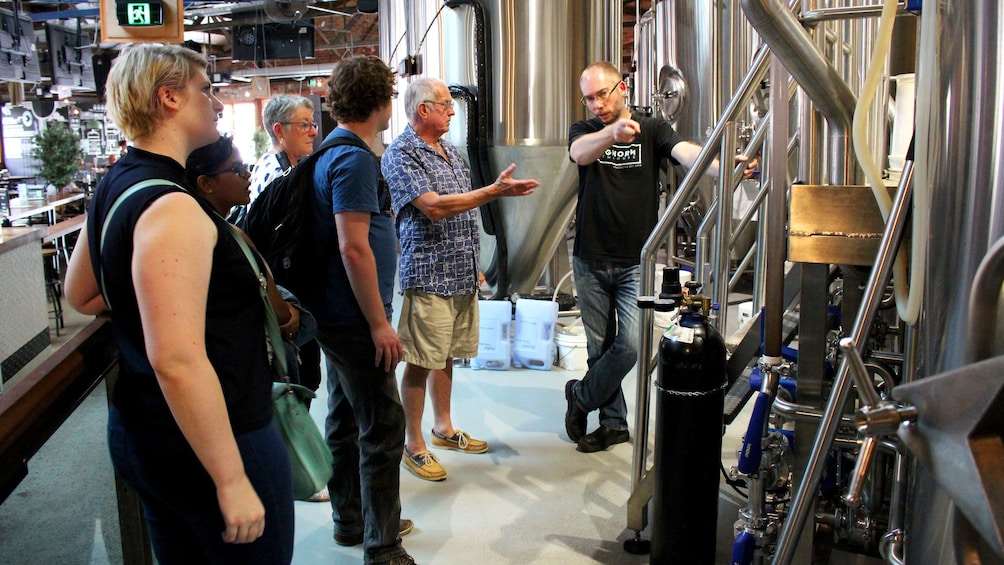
x=365 y=432
x=179 y=497
x=608 y=301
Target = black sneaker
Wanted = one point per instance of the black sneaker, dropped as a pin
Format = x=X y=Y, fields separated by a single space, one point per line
x=575 y=417
x=405 y=526
x=601 y=439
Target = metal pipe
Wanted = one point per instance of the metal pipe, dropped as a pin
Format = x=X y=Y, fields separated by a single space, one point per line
x=892 y=544
x=776 y=248
x=803 y=413
x=726 y=196
x=781 y=30
x=888 y=357
x=986 y=292
x=741 y=268
x=755 y=145
x=881 y=271
x=702 y=272
x=813 y=17
x=862 y=381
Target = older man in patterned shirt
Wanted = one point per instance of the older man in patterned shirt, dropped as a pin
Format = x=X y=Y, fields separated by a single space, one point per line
x=430 y=187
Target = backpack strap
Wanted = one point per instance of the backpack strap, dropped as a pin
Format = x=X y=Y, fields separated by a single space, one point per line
x=383 y=191
x=108 y=218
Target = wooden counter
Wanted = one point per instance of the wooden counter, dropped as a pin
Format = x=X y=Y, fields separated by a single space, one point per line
x=24 y=311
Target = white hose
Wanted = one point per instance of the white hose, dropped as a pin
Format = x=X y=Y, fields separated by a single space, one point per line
x=554 y=298
x=907 y=299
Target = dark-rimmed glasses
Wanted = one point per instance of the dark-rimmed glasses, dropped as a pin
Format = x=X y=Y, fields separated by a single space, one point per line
x=239 y=169
x=600 y=95
x=304 y=126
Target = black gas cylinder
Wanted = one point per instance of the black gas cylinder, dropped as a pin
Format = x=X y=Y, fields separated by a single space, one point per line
x=688 y=438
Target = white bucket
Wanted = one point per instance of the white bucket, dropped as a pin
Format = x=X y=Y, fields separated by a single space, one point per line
x=533 y=334
x=571 y=343
x=745 y=310
x=494 y=322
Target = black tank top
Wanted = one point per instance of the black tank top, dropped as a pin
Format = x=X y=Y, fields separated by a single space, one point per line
x=235 y=335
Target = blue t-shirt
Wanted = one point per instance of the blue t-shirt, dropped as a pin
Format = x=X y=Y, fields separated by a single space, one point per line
x=347 y=179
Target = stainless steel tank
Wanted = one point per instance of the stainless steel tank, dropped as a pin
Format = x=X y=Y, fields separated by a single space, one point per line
x=960 y=107
x=535 y=51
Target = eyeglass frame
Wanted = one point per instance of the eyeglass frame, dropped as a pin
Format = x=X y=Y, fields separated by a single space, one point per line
x=596 y=96
x=240 y=169
x=304 y=126
x=446 y=105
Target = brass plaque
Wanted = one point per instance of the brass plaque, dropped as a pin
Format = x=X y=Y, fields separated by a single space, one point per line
x=834 y=224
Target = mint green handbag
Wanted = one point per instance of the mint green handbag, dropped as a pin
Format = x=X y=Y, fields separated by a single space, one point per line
x=309 y=456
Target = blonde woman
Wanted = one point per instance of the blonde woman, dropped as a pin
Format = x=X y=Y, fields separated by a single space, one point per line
x=190 y=423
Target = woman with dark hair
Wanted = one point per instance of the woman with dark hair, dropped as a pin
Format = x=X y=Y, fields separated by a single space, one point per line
x=220 y=176
x=190 y=423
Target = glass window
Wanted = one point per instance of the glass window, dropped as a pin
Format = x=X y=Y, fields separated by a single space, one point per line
x=239 y=119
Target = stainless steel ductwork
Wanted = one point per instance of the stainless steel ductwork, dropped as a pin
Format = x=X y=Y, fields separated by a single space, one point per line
x=533 y=53
x=781 y=30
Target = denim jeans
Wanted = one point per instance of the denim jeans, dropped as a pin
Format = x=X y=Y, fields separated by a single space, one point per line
x=179 y=497
x=365 y=432
x=608 y=301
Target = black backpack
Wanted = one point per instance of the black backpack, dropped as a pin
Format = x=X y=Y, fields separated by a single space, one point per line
x=277 y=221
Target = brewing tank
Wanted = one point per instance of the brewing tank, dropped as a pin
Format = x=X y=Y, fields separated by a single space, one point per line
x=533 y=52
x=960 y=162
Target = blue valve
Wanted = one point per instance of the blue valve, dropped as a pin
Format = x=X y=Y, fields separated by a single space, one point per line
x=752 y=451
x=743 y=548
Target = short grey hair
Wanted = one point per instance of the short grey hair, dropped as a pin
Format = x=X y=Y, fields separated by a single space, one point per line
x=280 y=109
x=419 y=91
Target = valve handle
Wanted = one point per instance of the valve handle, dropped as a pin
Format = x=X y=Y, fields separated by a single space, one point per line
x=853 y=496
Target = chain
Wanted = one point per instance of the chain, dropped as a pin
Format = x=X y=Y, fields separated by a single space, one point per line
x=695 y=393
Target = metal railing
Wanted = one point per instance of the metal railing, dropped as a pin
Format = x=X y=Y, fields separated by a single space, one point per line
x=684 y=194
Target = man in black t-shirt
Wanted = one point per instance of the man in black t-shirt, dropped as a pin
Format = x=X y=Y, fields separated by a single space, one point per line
x=619 y=155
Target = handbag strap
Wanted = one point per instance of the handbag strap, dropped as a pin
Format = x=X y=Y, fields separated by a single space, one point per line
x=108 y=220
x=271 y=320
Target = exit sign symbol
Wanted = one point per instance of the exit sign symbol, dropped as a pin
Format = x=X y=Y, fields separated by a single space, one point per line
x=139 y=14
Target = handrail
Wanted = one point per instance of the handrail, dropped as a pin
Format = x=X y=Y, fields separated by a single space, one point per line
x=754 y=145
x=745 y=91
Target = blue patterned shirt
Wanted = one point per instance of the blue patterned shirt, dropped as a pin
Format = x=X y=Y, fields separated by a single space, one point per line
x=439 y=257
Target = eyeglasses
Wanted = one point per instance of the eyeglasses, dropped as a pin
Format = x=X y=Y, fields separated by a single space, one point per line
x=599 y=96
x=304 y=126
x=446 y=105
x=239 y=169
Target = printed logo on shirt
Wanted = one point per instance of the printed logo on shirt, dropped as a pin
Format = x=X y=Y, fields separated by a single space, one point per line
x=627 y=156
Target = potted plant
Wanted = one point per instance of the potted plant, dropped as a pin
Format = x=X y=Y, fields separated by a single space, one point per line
x=261 y=143
x=57 y=149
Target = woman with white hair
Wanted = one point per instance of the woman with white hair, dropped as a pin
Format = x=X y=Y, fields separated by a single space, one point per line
x=289 y=121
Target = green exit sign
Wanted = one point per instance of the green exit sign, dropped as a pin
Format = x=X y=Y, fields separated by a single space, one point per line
x=135 y=14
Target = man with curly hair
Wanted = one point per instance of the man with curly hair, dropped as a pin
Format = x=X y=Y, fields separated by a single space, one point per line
x=353 y=230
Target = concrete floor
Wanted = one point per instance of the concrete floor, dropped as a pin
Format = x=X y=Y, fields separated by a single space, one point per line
x=531 y=499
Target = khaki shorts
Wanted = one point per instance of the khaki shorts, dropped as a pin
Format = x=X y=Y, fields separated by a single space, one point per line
x=434 y=328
